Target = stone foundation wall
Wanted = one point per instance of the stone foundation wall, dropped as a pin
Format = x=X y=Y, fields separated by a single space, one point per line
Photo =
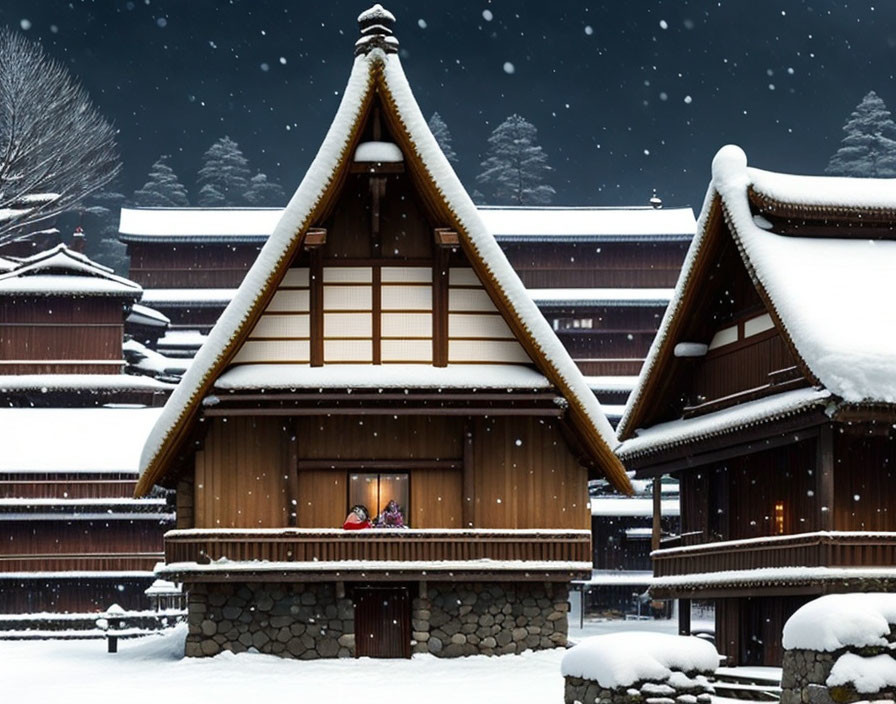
x=583 y=691
x=310 y=621
x=453 y=619
x=305 y=621
x=805 y=673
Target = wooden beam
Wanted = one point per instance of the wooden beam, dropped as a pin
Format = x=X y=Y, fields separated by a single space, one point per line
x=684 y=617
x=445 y=237
x=315 y=237
x=396 y=465
x=377 y=191
x=468 y=507
x=316 y=305
x=292 y=476
x=381 y=411
x=824 y=478
x=376 y=335
x=657 y=532
x=331 y=396
x=440 y=308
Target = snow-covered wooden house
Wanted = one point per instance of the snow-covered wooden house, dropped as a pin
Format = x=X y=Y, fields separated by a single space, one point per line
x=71 y=428
x=769 y=392
x=381 y=349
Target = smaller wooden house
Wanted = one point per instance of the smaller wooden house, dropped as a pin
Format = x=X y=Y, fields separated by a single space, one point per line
x=769 y=392
x=382 y=352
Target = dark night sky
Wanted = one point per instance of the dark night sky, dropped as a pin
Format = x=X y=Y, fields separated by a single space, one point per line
x=627 y=96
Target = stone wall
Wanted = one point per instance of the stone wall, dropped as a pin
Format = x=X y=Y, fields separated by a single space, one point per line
x=456 y=618
x=305 y=621
x=309 y=621
x=686 y=691
x=805 y=673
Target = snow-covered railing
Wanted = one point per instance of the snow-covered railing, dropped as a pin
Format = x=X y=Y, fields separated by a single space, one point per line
x=564 y=547
x=818 y=549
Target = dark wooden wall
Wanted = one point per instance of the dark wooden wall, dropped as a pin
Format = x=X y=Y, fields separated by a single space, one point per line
x=61 y=328
x=520 y=472
x=863 y=474
x=188 y=265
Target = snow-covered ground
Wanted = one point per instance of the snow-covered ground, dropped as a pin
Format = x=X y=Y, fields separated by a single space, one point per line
x=153 y=669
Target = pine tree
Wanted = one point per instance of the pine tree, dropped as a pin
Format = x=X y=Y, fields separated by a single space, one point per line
x=440 y=131
x=516 y=168
x=163 y=190
x=100 y=218
x=224 y=176
x=262 y=192
x=869 y=147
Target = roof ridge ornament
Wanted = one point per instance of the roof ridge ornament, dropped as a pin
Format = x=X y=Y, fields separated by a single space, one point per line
x=376 y=31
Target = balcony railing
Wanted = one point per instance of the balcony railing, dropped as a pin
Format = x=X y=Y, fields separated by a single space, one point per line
x=80 y=562
x=820 y=549
x=562 y=550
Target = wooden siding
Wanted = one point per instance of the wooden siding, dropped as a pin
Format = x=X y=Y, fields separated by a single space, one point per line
x=74 y=335
x=741 y=366
x=864 y=471
x=323 y=498
x=241 y=474
x=597 y=264
x=436 y=498
x=526 y=477
x=49 y=485
x=186 y=265
x=378 y=545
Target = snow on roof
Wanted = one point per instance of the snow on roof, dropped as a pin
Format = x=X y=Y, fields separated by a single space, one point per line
x=7 y=264
x=686 y=430
x=79 y=382
x=60 y=271
x=610 y=578
x=363 y=376
x=801 y=575
x=601 y=296
x=838 y=621
x=188 y=296
x=187 y=223
x=611 y=383
x=613 y=507
x=622 y=659
x=145 y=315
x=73 y=439
x=831 y=296
x=510 y=224
x=382 y=152
x=558 y=223
x=378 y=68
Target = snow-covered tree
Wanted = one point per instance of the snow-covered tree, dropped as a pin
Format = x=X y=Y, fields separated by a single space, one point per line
x=262 y=192
x=55 y=147
x=440 y=131
x=516 y=168
x=99 y=219
x=163 y=190
x=224 y=176
x=869 y=147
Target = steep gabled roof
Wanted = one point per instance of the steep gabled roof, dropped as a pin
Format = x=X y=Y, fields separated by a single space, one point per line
x=377 y=71
x=62 y=271
x=829 y=297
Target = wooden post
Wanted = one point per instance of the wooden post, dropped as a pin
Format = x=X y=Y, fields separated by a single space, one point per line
x=440 y=308
x=657 y=513
x=377 y=315
x=824 y=478
x=316 y=301
x=468 y=508
x=292 y=476
x=684 y=617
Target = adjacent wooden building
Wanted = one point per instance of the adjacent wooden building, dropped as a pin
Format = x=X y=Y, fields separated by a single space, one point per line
x=380 y=349
x=769 y=393
x=71 y=428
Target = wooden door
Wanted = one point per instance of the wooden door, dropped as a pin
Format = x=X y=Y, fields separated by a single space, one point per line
x=382 y=622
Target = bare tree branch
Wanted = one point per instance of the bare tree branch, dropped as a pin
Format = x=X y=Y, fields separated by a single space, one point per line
x=55 y=147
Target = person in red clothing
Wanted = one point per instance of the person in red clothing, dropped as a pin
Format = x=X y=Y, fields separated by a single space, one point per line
x=357 y=519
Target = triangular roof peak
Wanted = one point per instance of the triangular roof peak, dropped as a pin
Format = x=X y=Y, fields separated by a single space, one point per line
x=377 y=74
x=825 y=277
x=62 y=271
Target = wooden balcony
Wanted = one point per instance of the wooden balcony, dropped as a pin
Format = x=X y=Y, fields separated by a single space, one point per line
x=736 y=558
x=308 y=554
x=59 y=563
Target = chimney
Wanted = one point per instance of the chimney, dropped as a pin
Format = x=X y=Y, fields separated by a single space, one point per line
x=376 y=31
x=79 y=241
